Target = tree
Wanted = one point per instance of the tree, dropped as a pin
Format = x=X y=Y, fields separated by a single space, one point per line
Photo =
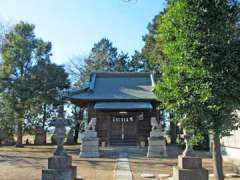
x=7 y=115
x=152 y=50
x=20 y=53
x=4 y=28
x=138 y=63
x=47 y=79
x=200 y=75
x=103 y=57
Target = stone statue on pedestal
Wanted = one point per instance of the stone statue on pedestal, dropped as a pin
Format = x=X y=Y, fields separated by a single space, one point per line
x=60 y=165
x=156 y=141
x=89 y=142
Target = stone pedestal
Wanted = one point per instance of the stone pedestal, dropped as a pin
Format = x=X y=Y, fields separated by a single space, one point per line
x=89 y=145
x=156 y=144
x=60 y=168
x=189 y=168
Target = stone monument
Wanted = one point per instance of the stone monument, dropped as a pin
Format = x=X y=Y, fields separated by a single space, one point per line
x=89 y=141
x=189 y=166
x=156 y=141
x=40 y=136
x=60 y=164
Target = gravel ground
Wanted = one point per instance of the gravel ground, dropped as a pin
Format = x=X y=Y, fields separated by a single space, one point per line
x=27 y=163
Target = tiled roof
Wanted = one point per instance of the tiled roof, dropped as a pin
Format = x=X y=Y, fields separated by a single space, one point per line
x=117 y=86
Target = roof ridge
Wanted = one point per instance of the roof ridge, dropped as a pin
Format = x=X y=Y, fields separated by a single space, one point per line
x=121 y=74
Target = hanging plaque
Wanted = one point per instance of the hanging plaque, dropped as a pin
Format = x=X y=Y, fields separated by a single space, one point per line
x=122 y=119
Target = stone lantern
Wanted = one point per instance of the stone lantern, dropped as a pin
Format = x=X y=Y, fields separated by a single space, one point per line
x=60 y=164
x=59 y=134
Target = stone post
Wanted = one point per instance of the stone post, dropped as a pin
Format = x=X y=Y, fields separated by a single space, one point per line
x=60 y=164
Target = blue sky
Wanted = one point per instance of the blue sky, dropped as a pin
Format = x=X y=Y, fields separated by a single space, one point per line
x=73 y=26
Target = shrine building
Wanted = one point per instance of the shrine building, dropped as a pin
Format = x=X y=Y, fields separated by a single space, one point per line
x=122 y=103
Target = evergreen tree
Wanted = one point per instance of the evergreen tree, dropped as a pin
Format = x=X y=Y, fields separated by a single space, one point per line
x=138 y=63
x=152 y=50
x=103 y=57
x=200 y=74
x=27 y=75
x=47 y=79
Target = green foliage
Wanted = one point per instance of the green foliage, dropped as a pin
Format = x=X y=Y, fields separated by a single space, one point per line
x=138 y=63
x=7 y=115
x=29 y=81
x=18 y=58
x=103 y=57
x=152 y=51
x=200 y=72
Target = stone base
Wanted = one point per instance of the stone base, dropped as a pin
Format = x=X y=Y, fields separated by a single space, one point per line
x=189 y=168
x=189 y=174
x=186 y=162
x=89 y=134
x=60 y=168
x=59 y=162
x=155 y=133
x=89 y=145
x=89 y=154
x=156 y=147
x=60 y=174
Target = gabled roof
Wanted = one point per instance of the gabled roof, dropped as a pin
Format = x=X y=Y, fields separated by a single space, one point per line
x=115 y=86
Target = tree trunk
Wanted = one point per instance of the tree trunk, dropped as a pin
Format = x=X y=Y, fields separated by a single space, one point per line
x=217 y=158
x=76 y=132
x=19 y=142
x=44 y=115
x=78 y=117
x=173 y=132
